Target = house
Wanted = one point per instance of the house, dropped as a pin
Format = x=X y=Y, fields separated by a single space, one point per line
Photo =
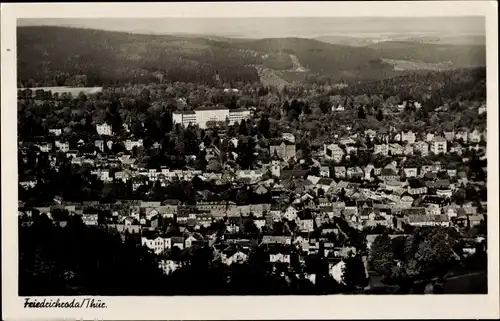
x=410 y=172
x=482 y=109
x=271 y=239
x=177 y=241
x=55 y=131
x=156 y=243
x=130 y=144
x=336 y=270
x=90 y=219
x=388 y=174
x=428 y=220
x=408 y=137
x=355 y=172
x=168 y=266
x=290 y=213
x=45 y=147
x=230 y=256
x=233 y=225
x=451 y=211
x=382 y=149
x=253 y=174
x=475 y=136
x=325 y=184
x=305 y=222
x=324 y=171
x=439 y=145
x=368 y=171
x=334 y=152
x=429 y=137
x=346 y=141
x=475 y=220
x=62 y=146
x=456 y=148
x=99 y=144
x=408 y=149
x=193 y=240
x=279 y=257
x=104 y=129
x=340 y=171
x=406 y=201
x=444 y=193
x=395 y=149
x=370 y=133
x=285 y=151
x=422 y=148
x=289 y=137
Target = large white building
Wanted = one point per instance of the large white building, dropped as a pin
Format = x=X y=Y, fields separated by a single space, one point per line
x=206 y=114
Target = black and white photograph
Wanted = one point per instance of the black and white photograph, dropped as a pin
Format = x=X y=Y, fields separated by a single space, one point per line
x=252 y=156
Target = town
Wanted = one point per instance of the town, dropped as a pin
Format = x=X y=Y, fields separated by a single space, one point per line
x=237 y=193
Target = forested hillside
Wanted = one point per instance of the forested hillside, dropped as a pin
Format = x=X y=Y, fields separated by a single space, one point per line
x=458 y=55
x=57 y=56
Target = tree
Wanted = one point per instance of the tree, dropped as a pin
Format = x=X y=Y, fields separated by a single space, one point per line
x=354 y=273
x=380 y=115
x=243 y=128
x=361 y=113
x=381 y=257
x=264 y=126
x=435 y=254
x=214 y=166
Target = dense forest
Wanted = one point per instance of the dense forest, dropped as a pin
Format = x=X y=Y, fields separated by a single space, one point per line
x=56 y=56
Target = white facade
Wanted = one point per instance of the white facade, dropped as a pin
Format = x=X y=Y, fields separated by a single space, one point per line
x=62 y=146
x=202 y=115
x=130 y=144
x=104 y=129
x=439 y=146
x=55 y=131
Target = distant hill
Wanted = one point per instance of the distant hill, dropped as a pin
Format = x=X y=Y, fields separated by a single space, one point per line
x=58 y=56
x=346 y=40
x=458 y=55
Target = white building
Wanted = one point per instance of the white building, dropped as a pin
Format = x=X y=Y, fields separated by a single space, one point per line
x=130 y=144
x=185 y=117
x=62 y=146
x=55 y=131
x=439 y=145
x=104 y=129
x=203 y=115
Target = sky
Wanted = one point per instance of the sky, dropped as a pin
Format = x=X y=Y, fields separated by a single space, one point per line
x=277 y=27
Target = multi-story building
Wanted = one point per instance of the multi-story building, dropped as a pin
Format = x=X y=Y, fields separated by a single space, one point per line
x=284 y=151
x=130 y=144
x=237 y=115
x=55 y=131
x=475 y=136
x=206 y=114
x=334 y=151
x=422 y=147
x=439 y=145
x=104 y=129
x=185 y=117
x=62 y=146
x=408 y=137
x=99 y=144
x=382 y=149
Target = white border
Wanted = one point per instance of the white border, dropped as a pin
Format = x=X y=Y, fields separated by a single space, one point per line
x=322 y=307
